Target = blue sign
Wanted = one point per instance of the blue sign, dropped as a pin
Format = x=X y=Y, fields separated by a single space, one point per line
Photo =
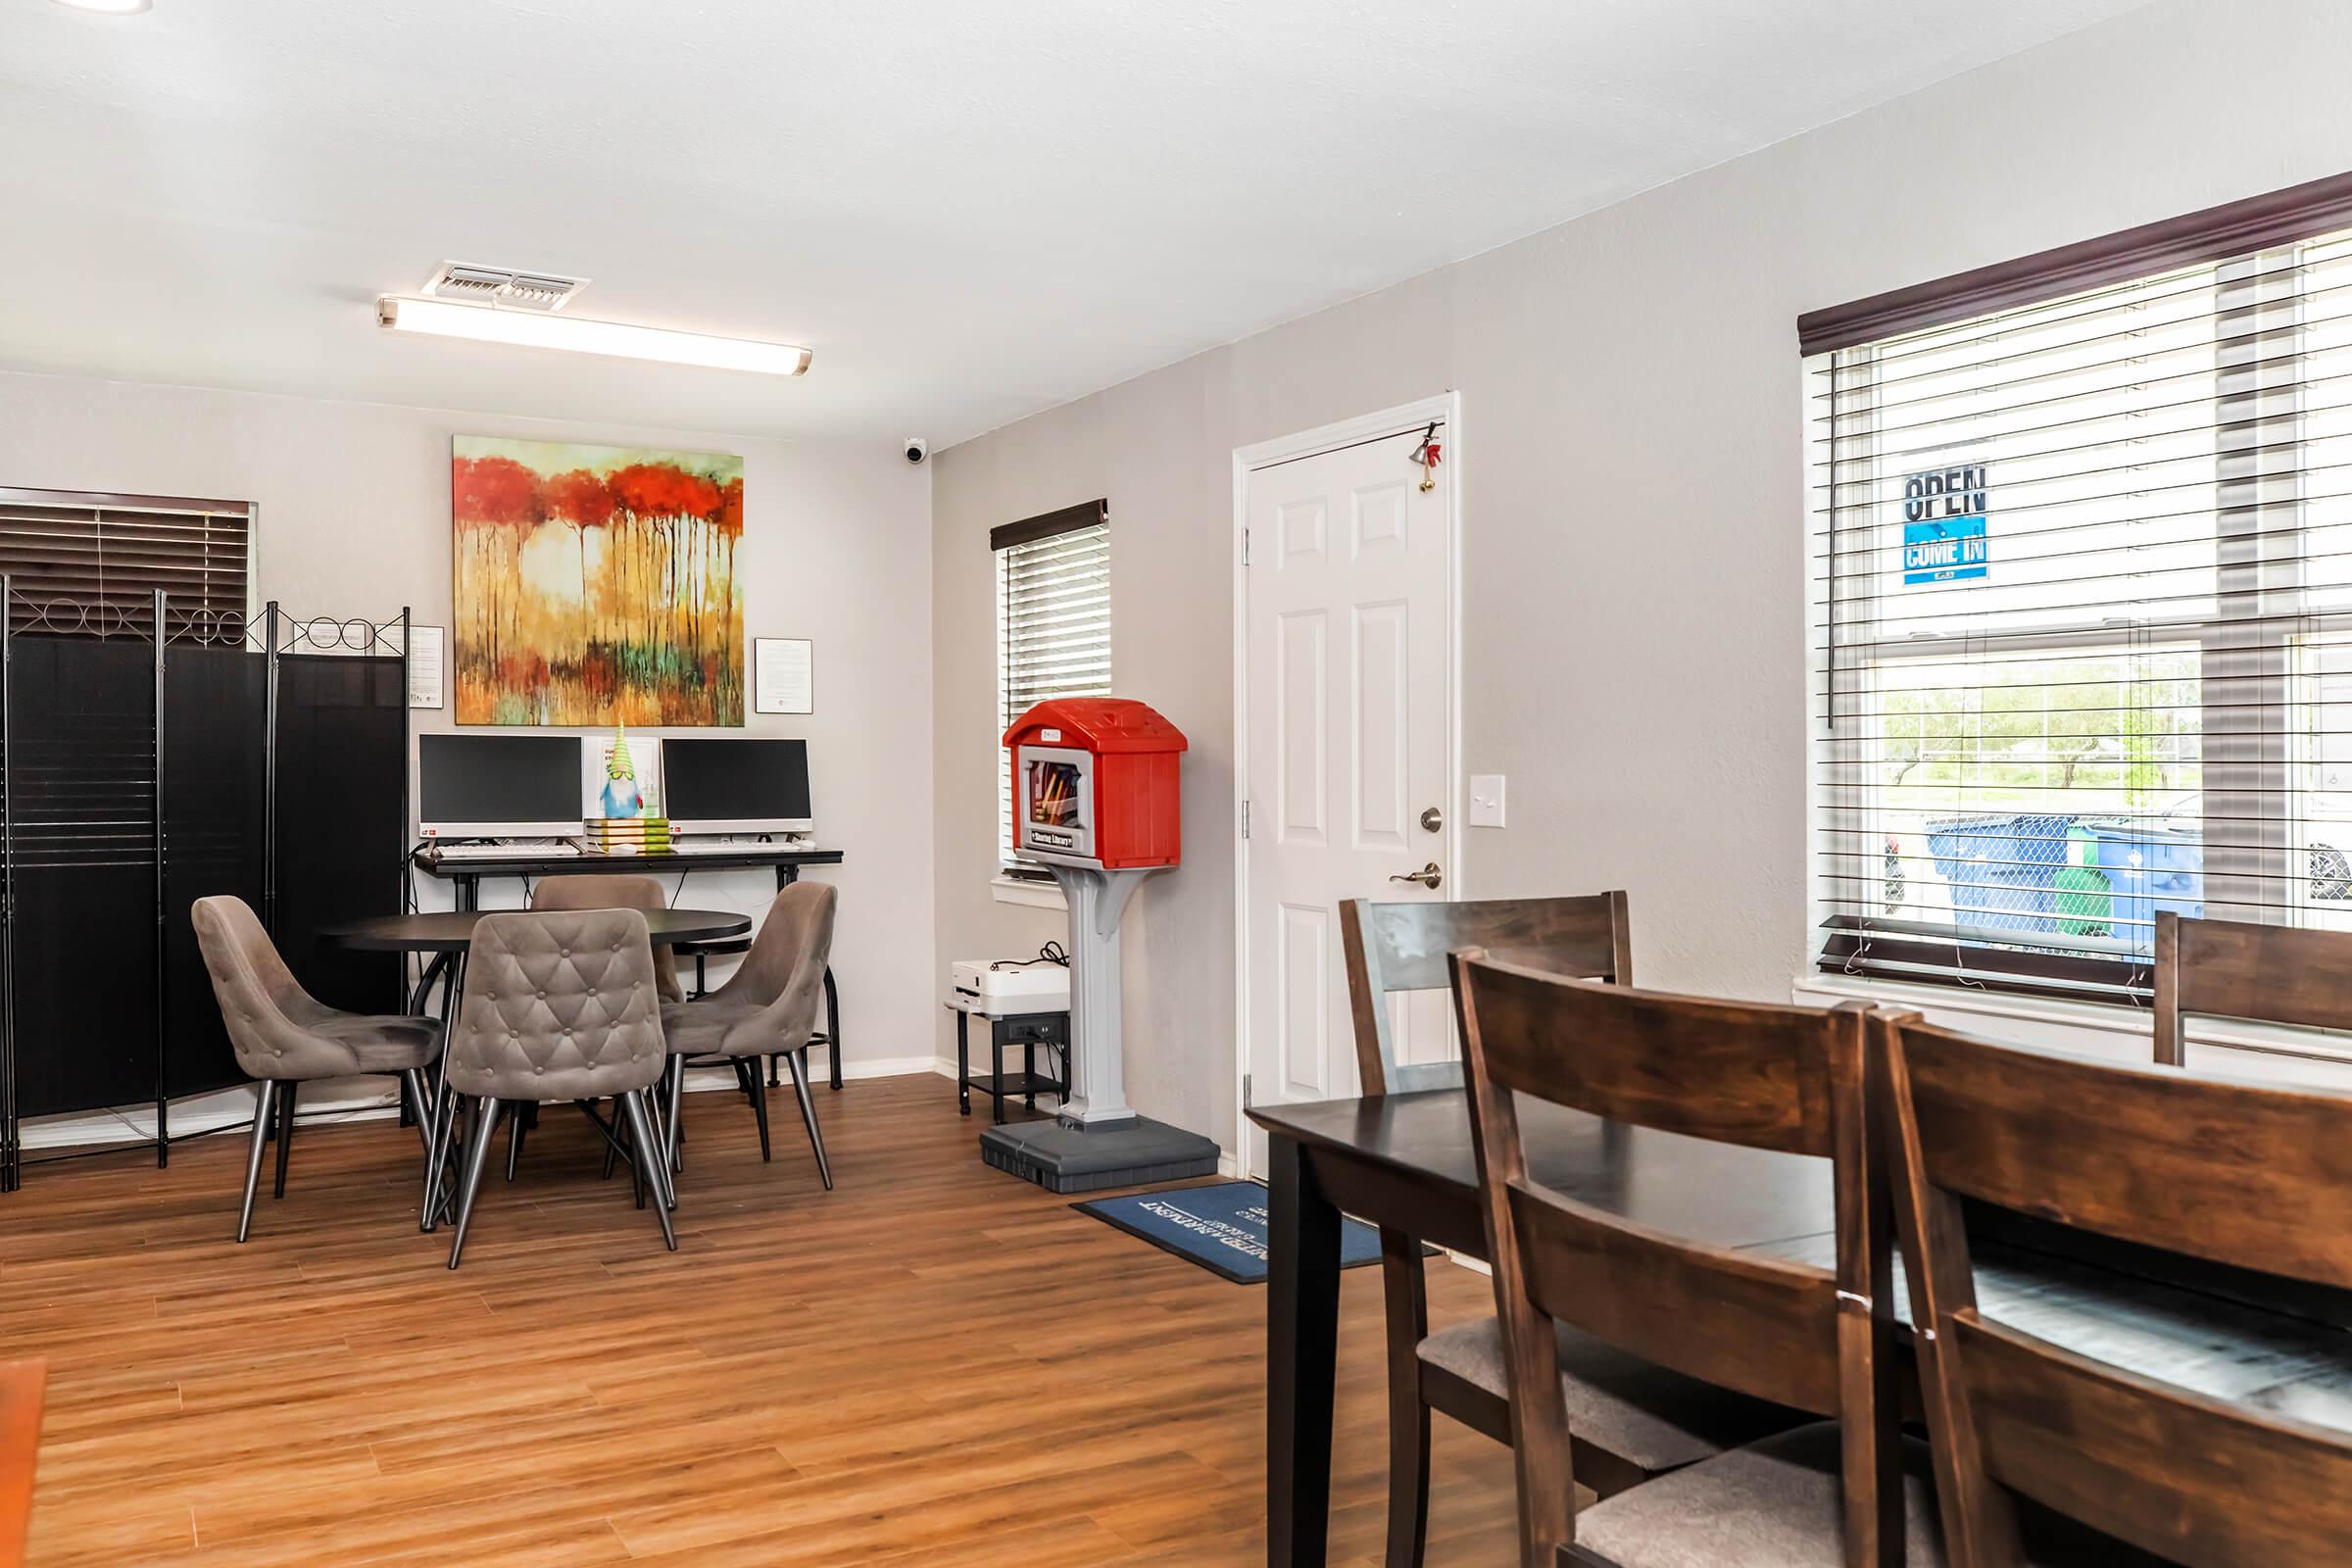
x=1945 y=550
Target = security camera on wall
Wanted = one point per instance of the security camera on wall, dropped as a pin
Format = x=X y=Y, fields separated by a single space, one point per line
x=917 y=449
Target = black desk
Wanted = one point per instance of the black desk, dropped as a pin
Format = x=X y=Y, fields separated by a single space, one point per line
x=465 y=876
x=1406 y=1161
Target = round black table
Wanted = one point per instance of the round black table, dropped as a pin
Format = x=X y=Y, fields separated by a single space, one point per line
x=447 y=934
x=451 y=930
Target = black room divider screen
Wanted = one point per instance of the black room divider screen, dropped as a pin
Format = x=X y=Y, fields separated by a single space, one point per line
x=151 y=757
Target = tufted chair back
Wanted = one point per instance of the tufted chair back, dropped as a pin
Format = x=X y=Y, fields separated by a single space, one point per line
x=613 y=893
x=264 y=1007
x=558 y=1004
x=784 y=973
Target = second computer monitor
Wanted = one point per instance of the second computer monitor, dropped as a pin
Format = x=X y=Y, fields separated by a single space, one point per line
x=736 y=786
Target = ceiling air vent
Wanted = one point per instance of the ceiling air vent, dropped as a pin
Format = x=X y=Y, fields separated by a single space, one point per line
x=502 y=285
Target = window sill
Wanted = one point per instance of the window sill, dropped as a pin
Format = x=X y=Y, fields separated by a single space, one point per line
x=2102 y=1029
x=1019 y=889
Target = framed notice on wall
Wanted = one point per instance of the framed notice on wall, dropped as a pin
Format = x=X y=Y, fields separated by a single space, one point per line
x=783 y=675
x=425 y=667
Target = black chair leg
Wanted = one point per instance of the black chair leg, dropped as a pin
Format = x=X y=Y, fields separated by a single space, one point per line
x=757 y=1090
x=481 y=1124
x=285 y=1133
x=817 y=1140
x=621 y=1128
x=264 y=1115
x=649 y=1157
x=514 y=1131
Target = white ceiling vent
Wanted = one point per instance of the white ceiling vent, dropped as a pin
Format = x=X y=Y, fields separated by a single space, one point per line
x=502 y=285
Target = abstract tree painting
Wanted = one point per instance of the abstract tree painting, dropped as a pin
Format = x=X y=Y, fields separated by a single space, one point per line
x=594 y=585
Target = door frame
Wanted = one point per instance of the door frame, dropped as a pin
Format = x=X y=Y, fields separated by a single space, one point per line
x=1446 y=408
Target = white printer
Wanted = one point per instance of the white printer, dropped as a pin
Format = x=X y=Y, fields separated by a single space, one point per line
x=1004 y=987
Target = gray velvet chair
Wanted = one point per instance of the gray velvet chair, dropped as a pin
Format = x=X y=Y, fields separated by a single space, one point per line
x=598 y=892
x=613 y=893
x=284 y=1037
x=766 y=1008
x=558 y=1005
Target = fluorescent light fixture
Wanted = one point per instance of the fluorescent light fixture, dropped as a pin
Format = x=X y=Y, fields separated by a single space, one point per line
x=534 y=330
x=109 y=8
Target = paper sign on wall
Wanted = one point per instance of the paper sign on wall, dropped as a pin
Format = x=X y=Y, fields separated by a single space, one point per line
x=783 y=675
x=424 y=665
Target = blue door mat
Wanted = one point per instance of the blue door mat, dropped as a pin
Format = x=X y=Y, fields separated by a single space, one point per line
x=1222 y=1227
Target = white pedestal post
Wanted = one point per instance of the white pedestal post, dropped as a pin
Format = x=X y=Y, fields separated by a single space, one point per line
x=1097 y=900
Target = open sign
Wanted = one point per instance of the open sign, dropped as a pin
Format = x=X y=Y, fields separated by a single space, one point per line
x=1944 y=537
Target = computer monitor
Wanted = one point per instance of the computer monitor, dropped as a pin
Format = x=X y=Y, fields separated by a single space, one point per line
x=498 y=786
x=736 y=786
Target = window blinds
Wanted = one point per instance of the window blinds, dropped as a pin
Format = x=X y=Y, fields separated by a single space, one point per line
x=2081 y=623
x=87 y=565
x=1052 y=626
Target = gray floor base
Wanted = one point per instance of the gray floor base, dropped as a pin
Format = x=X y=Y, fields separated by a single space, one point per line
x=1063 y=1158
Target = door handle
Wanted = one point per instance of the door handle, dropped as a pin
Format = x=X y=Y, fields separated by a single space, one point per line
x=1428 y=876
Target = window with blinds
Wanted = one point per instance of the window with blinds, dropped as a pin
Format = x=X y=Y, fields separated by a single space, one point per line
x=1052 y=629
x=87 y=565
x=2082 y=629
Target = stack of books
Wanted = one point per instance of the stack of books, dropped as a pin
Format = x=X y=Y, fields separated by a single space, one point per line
x=626 y=835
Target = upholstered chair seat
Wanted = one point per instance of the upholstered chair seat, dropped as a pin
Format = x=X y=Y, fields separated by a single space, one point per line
x=283 y=1036
x=1654 y=1418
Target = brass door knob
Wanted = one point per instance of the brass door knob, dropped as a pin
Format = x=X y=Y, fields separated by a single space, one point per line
x=1428 y=876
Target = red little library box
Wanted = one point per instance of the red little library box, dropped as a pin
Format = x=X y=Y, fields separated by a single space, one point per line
x=1094 y=783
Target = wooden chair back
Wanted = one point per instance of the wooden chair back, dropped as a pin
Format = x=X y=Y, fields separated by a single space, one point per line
x=2238 y=970
x=2233 y=1173
x=1402 y=947
x=1776 y=1078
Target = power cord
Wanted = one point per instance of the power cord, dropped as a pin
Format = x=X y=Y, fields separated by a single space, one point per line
x=1050 y=952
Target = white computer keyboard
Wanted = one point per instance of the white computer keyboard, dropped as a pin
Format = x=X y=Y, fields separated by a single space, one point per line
x=708 y=847
x=503 y=851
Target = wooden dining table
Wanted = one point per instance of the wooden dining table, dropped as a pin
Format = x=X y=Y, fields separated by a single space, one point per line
x=1406 y=1161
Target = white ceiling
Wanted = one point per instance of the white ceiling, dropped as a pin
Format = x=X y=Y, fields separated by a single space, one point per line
x=971 y=209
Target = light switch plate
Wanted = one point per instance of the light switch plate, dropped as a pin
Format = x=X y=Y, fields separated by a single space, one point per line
x=1486 y=799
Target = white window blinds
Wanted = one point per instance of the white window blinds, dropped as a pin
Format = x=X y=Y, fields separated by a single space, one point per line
x=2082 y=629
x=1053 y=627
x=85 y=565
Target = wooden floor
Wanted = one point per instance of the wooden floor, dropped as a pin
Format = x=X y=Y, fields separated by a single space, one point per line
x=934 y=1365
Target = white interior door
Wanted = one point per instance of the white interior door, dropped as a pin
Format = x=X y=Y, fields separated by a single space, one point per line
x=1349 y=685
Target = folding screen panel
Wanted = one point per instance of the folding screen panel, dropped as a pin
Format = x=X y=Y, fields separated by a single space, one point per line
x=342 y=811
x=83 y=851
x=213 y=788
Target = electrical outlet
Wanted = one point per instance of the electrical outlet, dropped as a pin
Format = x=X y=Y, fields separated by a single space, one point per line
x=1486 y=799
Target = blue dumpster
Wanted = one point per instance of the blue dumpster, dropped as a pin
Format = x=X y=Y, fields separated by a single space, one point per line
x=2003 y=870
x=2150 y=866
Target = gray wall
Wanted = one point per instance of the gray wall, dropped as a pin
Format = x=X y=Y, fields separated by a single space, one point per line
x=1634 y=517
x=354 y=520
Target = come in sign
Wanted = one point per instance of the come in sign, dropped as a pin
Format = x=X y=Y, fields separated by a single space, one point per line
x=1943 y=524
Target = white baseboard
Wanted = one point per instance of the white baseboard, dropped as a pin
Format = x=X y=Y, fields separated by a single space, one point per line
x=341 y=1100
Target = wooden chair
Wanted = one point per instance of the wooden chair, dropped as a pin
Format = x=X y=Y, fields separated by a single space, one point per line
x=1788 y=1080
x=2235 y=1174
x=1639 y=1420
x=2237 y=969
x=20 y=1387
